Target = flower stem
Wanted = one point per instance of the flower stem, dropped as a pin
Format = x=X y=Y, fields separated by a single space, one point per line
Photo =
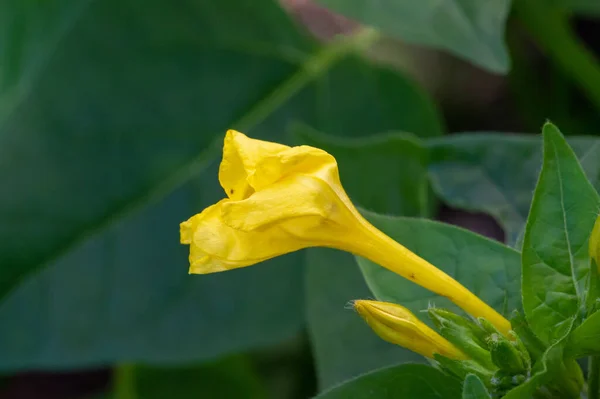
x=594 y=377
x=124 y=381
x=550 y=27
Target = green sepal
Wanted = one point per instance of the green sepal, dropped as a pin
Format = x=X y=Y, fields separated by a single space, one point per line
x=506 y=355
x=464 y=334
x=503 y=381
x=534 y=346
x=523 y=352
x=462 y=368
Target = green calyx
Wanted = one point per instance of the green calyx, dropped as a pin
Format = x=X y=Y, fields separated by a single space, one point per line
x=501 y=362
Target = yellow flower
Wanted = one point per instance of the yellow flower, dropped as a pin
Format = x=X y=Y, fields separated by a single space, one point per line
x=399 y=326
x=282 y=199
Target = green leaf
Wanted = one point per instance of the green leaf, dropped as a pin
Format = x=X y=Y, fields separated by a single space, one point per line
x=555 y=257
x=333 y=278
x=589 y=7
x=585 y=339
x=471 y=29
x=343 y=344
x=542 y=373
x=410 y=381
x=497 y=173
x=117 y=139
x=487 y=268
x=473 y=388
x=115 y=142
x=229 y=378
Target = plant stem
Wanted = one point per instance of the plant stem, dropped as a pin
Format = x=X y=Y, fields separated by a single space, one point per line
x=594 y=377
x=550 y=27
x=124 y=381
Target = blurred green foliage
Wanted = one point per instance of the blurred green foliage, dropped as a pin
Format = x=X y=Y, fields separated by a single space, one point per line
x=111 y=120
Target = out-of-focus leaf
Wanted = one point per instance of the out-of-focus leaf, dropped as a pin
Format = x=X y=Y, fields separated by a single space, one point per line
x=473 y=388
x=125 y=109
x=104 y=158
x=583 y=7
x=386 y=102
x=343 y=344
x=229 y=378
x=405 y=381
x=496 y=173
x=386 y=173
x=487 y=268
x=472 y=29
x=555 y=258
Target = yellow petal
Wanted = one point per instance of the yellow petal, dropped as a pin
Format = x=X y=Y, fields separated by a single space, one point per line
x=302 y=160
x=215 y=246
x=398 y=325
x=293 y=203
x=240 y=158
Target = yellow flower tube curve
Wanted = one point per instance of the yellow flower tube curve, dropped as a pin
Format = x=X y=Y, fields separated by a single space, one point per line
x=282 y=199
x=396 y=324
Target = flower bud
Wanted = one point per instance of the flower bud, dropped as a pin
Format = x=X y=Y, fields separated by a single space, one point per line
x=399 y=326
x=506 y=356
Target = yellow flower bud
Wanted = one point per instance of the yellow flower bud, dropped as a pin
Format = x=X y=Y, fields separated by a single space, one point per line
x=282 y=199
x=399 y=326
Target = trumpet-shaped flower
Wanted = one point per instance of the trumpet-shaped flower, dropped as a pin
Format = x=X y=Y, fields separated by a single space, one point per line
x=398 y=325
x=282 y=199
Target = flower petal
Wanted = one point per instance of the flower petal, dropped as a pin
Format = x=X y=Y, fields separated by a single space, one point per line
x=240 y=158
x=291 y=198
x=215 y=246
x=302 y=160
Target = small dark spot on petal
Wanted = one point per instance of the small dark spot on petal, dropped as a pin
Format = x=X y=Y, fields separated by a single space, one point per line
x=412 y=276
x=231 y=191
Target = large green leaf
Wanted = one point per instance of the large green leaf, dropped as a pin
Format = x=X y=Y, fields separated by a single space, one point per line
x=110 y=125
x=410 y=381
x=229 y=378
x=469 y=28
x=555 y=257
x=105 y=153
x=496 y=173
x=487 y=268
x=386 y=173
